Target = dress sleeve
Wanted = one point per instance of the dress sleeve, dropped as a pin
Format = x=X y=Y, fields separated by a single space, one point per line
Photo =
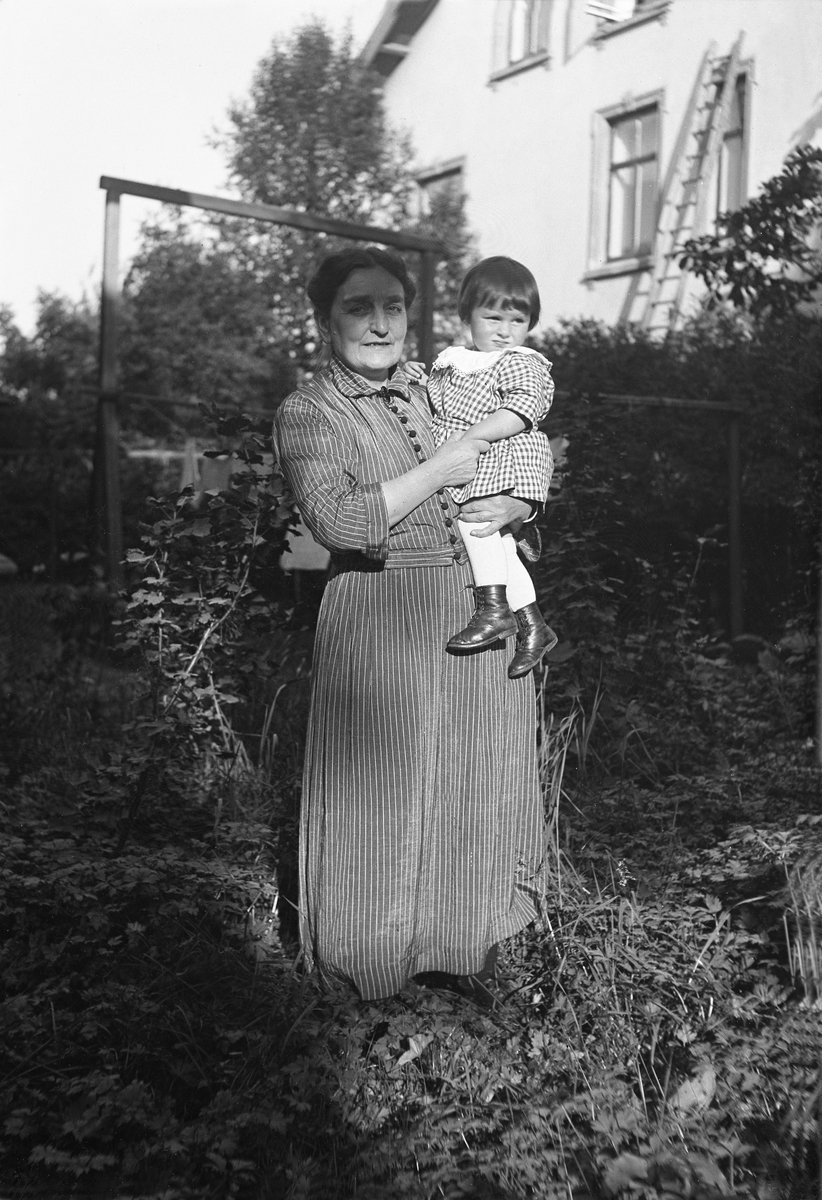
x=524 y=385
x=319 y=463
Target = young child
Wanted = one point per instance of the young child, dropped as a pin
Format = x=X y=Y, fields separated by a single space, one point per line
x=498 y=389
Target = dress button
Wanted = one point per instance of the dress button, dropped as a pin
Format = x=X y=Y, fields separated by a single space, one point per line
x=452 y=537
x=411 y=432
x=404 y=419
x=440 y=491
x=448 y=522
x=416 y=446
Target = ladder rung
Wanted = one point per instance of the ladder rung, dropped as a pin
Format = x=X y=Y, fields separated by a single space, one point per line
x=686 y=194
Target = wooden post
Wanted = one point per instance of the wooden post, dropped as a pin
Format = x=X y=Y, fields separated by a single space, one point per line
x=737 y=616
x=54 y=539
x=108 y=522
x=818 y=732
x=426 y=346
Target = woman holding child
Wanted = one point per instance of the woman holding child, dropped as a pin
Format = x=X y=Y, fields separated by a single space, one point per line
x=422 y=826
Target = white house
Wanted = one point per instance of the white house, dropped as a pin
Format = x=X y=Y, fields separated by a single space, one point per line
x=593 y=137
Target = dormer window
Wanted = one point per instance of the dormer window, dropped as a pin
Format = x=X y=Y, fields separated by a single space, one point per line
x=441 y=184
x=521 y=35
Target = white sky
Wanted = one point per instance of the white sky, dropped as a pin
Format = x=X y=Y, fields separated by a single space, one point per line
x=130 y=88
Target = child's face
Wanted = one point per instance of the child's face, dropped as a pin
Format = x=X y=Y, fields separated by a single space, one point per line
x=497 y=326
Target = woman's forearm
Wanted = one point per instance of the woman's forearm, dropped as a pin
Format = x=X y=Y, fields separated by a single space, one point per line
x=454 y=463
x=501 y=424
x=407 y=492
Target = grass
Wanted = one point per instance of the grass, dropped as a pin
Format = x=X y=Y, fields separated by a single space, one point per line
x=660 y=1036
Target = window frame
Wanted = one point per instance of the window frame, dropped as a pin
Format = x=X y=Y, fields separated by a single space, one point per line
x=600 y=266
x=502 y=66
x=633 y=163
x=653 y=10
x=744 y=76
x=447 y=169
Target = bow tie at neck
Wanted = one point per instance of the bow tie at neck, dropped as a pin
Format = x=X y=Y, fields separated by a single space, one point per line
x=355 y=386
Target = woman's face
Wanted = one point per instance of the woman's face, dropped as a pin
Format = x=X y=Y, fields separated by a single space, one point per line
x=367 y=324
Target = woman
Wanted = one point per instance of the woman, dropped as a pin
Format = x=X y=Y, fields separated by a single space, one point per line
x=421 y=827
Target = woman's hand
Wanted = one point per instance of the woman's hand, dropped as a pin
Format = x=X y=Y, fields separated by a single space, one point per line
x=456 y=460
x=496 y=513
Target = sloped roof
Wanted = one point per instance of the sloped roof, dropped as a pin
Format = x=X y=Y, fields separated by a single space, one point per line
x=391 y=39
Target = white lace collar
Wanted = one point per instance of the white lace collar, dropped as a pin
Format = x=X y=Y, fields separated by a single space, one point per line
x=468 y=361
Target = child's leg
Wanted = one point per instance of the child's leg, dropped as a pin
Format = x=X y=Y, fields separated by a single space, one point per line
x=534 y=637
x=520 y=585
x=492 y=617
x=487 y=556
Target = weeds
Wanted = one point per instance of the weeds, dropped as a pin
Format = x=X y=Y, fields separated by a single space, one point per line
x=161 y=1040
x=803 y=925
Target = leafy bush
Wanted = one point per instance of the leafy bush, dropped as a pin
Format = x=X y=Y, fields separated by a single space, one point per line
x=198 y=617
x=763 y=258
x=635 y=566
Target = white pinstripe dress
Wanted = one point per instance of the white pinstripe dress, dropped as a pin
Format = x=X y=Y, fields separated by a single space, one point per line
x=421 y=827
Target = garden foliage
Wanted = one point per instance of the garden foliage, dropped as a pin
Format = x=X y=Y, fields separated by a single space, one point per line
x=660 y=1032
x=160 y=1039
x=765 y=256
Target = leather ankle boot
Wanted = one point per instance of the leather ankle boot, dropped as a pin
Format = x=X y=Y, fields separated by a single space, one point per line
x=491 y=621
x=534 y=638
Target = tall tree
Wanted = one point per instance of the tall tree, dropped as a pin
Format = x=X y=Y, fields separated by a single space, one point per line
x=216 y=306
x=313 y=135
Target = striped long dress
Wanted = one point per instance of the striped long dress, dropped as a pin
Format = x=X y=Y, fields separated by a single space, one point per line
x=421 y=841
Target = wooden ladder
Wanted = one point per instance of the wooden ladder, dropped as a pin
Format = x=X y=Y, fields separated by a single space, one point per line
x=685 y=208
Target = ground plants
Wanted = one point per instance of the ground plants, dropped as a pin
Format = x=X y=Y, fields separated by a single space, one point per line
x=161 y=1039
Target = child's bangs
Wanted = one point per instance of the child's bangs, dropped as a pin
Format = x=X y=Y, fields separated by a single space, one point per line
x=495 y=298
x=499 y=282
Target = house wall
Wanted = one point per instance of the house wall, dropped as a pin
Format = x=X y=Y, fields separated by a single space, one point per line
x=527 y=139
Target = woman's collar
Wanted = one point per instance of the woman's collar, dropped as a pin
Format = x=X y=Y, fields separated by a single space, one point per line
x=353 y=385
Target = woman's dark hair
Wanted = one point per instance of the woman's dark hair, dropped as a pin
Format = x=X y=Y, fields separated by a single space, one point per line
x=335 y=269
x=499 y=280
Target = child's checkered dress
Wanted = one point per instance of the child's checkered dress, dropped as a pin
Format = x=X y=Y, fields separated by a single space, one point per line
x=467 y=385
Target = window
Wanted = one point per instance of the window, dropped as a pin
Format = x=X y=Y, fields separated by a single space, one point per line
x=615 y=15
x=521 y=35
x=732 y=190
x=611 y=10
x=525 y=32
x=439 y=185
x=625 y=185
x=632 y=184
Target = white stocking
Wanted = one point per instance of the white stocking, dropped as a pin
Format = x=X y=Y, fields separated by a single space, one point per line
x=489 y=562
x=520 y=586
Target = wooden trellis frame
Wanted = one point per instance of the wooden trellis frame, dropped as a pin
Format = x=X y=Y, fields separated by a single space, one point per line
x=107 y=499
